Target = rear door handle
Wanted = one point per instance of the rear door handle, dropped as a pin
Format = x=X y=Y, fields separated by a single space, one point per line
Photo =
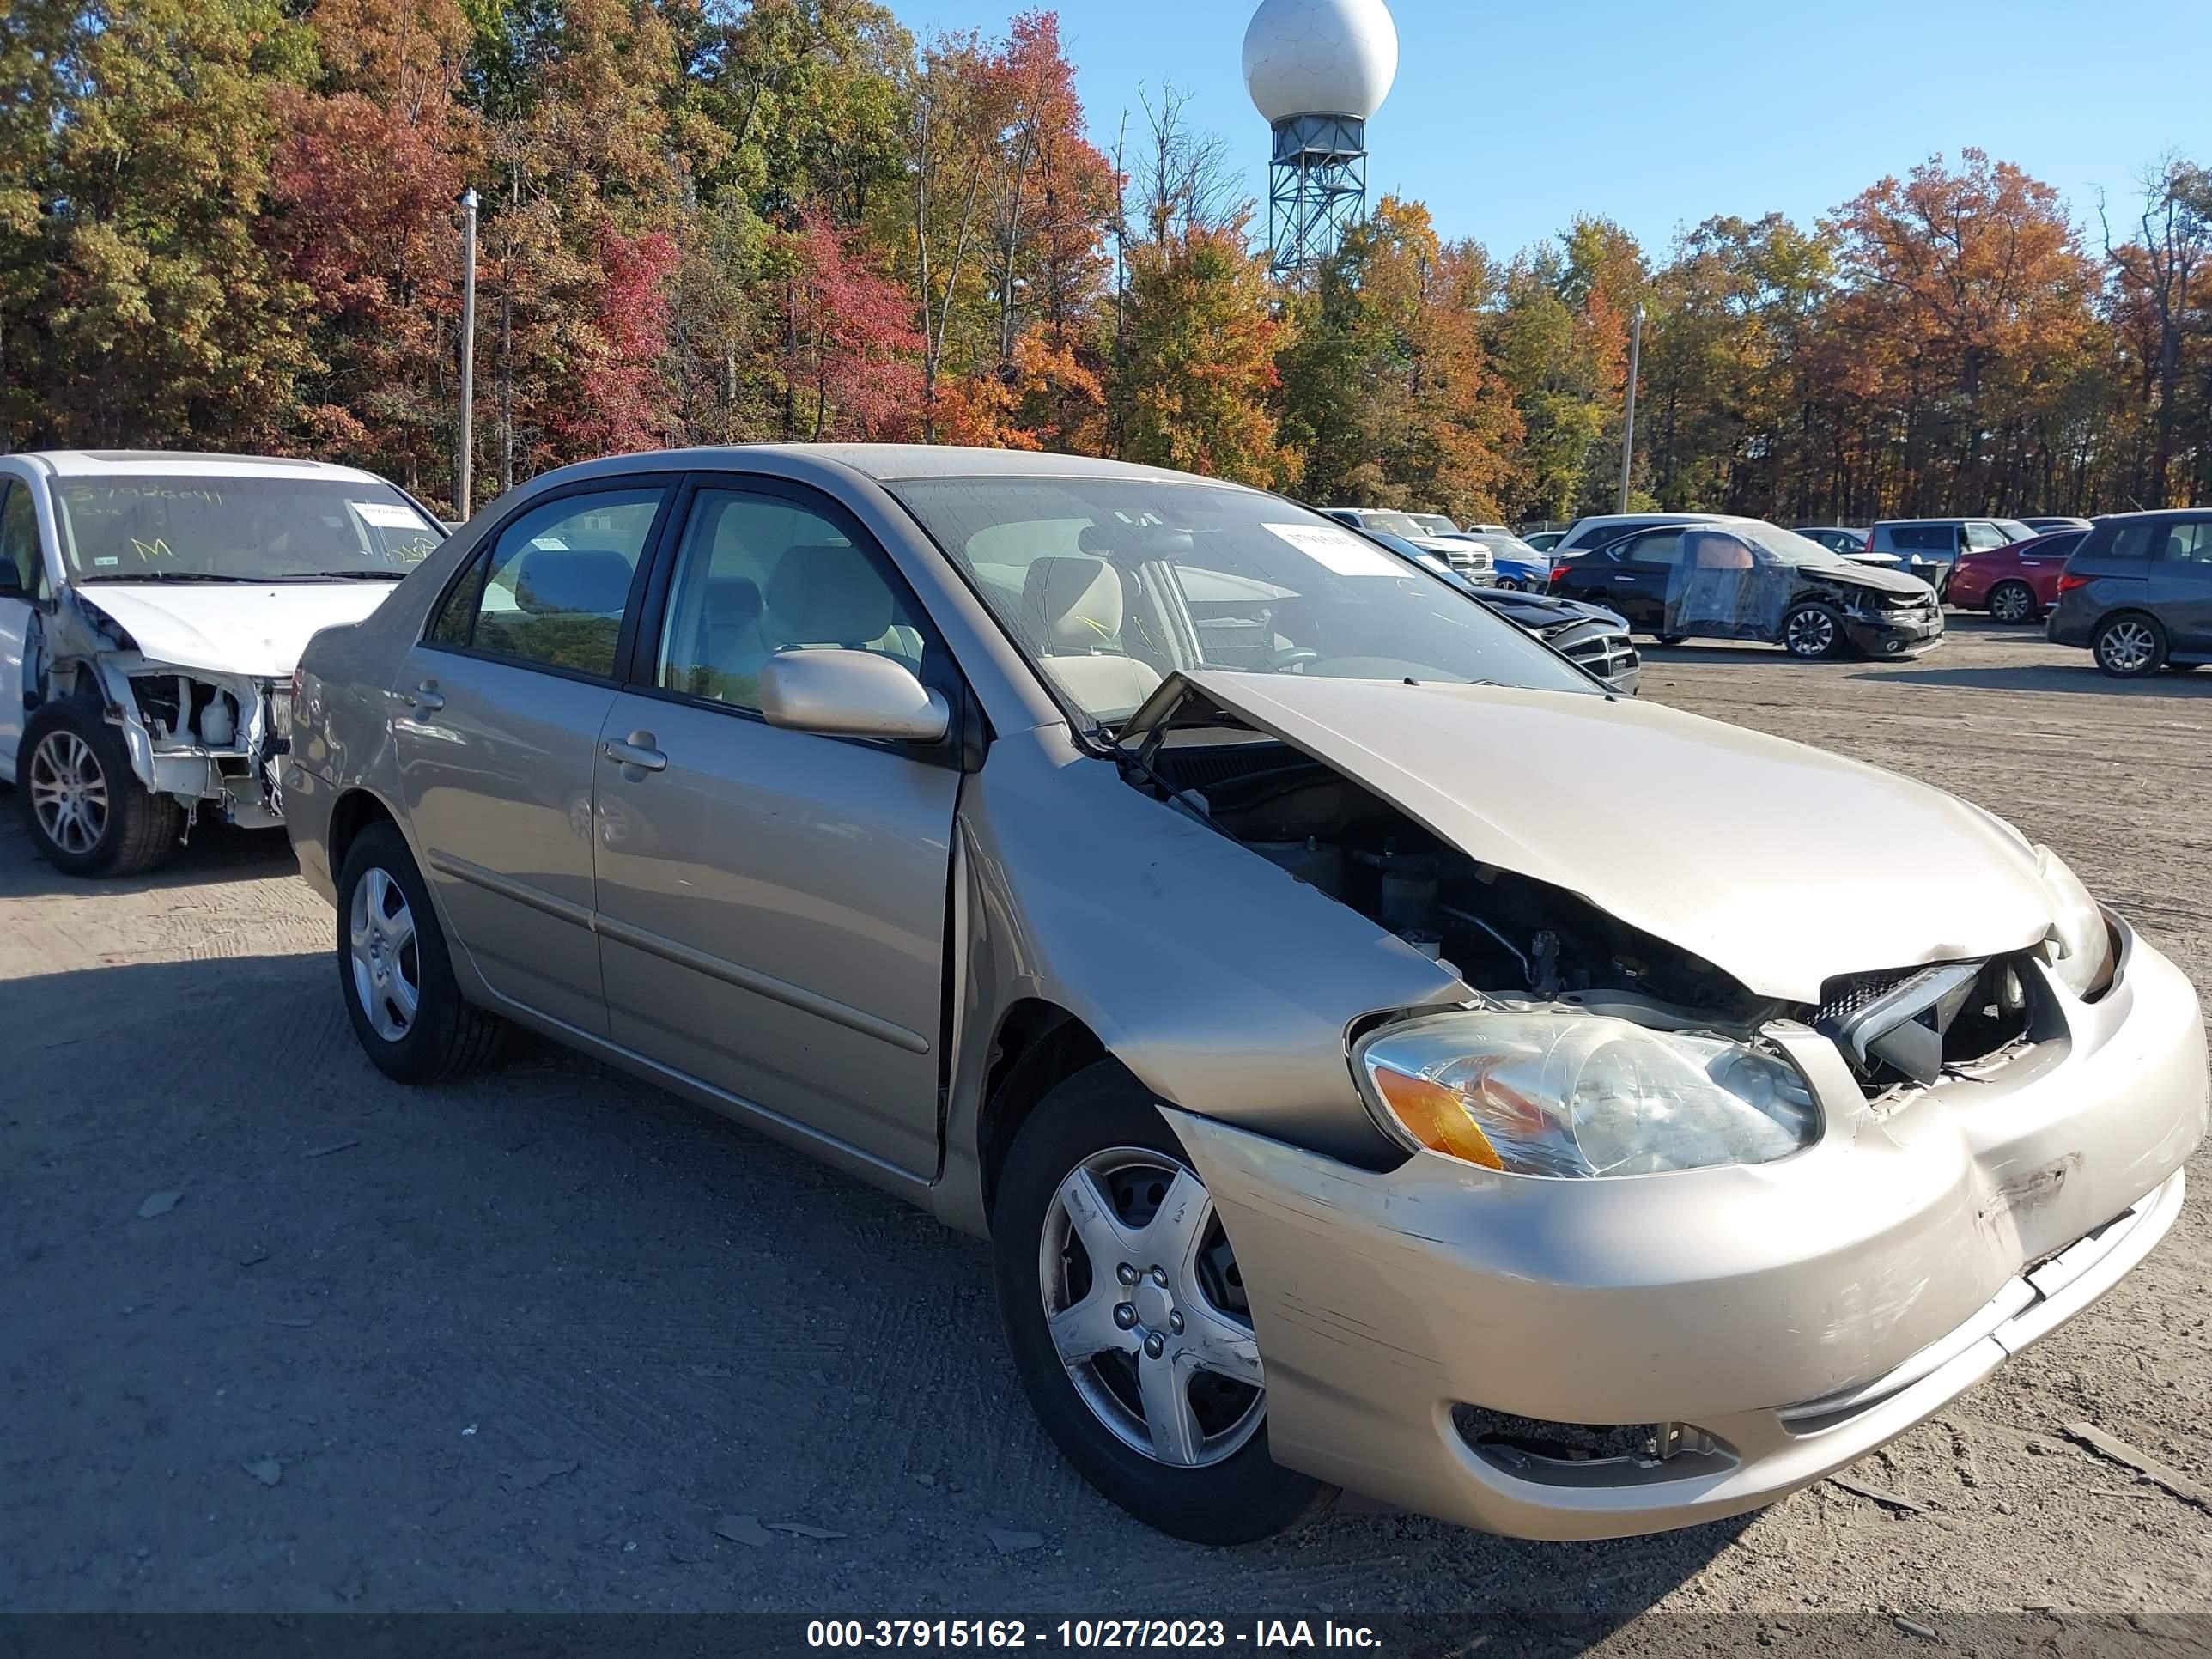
x=635 y=752
x=424 y=699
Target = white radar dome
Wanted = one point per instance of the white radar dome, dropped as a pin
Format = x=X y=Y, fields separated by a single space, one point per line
x=1320 y=57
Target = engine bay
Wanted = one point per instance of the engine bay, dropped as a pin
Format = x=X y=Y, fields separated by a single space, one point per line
x=1501 y=933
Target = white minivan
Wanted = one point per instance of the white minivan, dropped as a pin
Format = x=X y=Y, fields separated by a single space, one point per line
x=153 y=606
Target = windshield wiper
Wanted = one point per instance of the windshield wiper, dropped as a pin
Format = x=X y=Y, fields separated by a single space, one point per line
x=341 y=576
x=168 y=576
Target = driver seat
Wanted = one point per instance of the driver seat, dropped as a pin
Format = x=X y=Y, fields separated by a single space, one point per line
x=1072 y=609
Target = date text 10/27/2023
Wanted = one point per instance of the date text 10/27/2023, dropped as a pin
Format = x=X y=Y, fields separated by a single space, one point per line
x=1089 y=1634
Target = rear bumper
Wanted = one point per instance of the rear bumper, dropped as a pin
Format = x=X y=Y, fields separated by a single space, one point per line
x=1796 y=1316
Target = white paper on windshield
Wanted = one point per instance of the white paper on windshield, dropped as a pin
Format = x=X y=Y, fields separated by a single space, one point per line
x=387 y=516
x=1338 y=550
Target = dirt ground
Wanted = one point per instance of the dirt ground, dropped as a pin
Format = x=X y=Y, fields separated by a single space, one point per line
x=525 y=1345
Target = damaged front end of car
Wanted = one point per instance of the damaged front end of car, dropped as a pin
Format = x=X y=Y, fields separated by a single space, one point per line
x=1732 y=1150
x=212 y=741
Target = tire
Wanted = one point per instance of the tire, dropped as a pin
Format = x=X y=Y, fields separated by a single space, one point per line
x=2013 y=603
x=1814 y=633
x=1670 y=639
x=390 y=947
x=1223 y=1486
x=87 y=813
x=2129 y=646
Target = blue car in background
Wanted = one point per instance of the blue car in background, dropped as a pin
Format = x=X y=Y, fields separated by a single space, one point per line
x=1520 y=567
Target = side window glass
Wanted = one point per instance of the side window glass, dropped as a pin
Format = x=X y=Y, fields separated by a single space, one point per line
x=18 y=541
x=2138 y=541
x=758 y=575
x=554 y=584
x=1984 y=538
x=2187 y=543
x=1662 y=548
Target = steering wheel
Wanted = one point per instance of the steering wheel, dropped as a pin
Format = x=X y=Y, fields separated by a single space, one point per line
x=1294 y=657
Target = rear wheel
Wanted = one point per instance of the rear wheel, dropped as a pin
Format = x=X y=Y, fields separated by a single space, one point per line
x=395 y=974
x=2130 y=646
x=1814 y=633
x=2012 y=603
x=87 y=813
x=1126 y=1316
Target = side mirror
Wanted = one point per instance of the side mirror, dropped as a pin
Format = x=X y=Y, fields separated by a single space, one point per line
x=851 y=694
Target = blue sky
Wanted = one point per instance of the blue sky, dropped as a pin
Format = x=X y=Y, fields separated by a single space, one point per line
x=1508 y=119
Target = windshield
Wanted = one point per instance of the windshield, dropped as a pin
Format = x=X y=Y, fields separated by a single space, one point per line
x=1110 y=584
x=1435 y=523
x=1510 y=547
x=1786 y=546
x=1397 y=524
x=2016 y=530
x=242 y=530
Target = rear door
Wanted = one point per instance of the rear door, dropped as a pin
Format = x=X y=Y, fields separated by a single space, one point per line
x=772 y=903
x=1633 y=576
x=2181 y=584
x=496 y=719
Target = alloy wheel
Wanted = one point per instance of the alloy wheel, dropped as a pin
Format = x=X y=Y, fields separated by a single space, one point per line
x=69 y=792
x=2012 y=603
x=1147 y=1309
x=2128 y=646
x=386 y=963
x=1812 y=634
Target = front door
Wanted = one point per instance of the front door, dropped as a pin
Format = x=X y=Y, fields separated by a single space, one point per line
x=1639 y=578
x=497 y=718
x=2181 y=585
x=771 y=903
x=23 y=584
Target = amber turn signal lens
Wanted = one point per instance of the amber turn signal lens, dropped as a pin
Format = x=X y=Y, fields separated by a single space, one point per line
x=1434 y=1116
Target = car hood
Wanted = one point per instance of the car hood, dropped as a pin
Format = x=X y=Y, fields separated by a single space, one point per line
x=1781 y=865
x=1877 y=577
x=257 y=629
x=1542 y=611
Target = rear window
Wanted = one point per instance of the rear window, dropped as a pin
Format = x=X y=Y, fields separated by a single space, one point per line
x=1923 y=538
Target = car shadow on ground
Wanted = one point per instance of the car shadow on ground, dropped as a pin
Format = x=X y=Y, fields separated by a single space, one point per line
x=215 y=853
x=2083 y=677
x=545 y=1310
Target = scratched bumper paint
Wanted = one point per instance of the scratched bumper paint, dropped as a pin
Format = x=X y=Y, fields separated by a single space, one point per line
x=1800 y=1313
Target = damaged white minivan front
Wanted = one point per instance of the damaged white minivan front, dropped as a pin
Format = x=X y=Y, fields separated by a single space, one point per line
x=158 y=608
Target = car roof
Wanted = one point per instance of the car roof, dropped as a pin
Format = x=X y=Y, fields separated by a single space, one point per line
x=169 y=463
x=2153 y=512
x=886 y=463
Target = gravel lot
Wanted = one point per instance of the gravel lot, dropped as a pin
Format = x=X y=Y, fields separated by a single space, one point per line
x=524 y=1344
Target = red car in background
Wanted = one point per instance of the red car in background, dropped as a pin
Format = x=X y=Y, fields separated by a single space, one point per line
x=2017 y=583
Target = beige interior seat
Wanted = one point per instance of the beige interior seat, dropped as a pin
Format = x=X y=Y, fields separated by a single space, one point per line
x=1072 y=609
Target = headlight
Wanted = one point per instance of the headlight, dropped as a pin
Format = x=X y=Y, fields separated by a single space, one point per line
x=2084 y=941
x=1573 y=1096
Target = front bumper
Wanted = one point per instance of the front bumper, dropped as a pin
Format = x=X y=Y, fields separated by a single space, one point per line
x=1875 y=635
x=1795 y=1315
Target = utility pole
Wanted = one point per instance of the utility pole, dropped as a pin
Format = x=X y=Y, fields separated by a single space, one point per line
x=1628 y=429
x=462 y=463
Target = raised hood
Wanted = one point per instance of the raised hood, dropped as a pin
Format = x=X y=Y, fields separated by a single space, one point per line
x=1780 y=865
x=226 y=628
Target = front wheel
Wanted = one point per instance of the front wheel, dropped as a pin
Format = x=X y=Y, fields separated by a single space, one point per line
x=88 y=814
x=1126 y=1314
x=1814 y=633
x=2012 y=603
x=2132 y=646
x=395 y=974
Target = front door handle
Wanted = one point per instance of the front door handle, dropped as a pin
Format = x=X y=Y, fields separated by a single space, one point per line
x=424 y=699
x=635 y=753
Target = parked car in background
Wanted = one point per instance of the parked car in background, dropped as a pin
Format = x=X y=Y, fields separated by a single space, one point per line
x=1743 y=579
x=1374 y=1052
x=2017 y=582
x=1930 y=548
x=1487 y=530
x=2044 y=527
x=2137 y=593
x=1602 y=529
x=1544 y=540
x=1468 y=556
x=1518 y=567
x=1835 y=538
x=1594 y=639
x=152 y=609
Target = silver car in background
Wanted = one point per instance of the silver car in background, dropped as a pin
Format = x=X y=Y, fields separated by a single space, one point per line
x=1380 y=1057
